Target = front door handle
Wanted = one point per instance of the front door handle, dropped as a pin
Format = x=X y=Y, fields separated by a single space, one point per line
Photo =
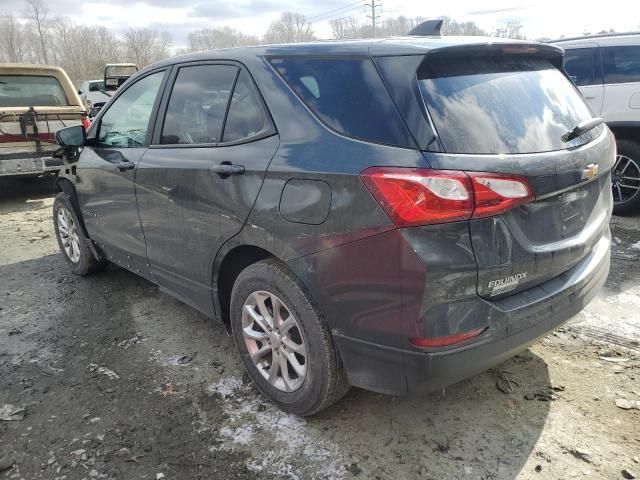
x=123 y=166
x=226 y=169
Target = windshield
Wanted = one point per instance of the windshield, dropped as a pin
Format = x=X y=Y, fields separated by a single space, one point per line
x=506 y=104
x=31 y=90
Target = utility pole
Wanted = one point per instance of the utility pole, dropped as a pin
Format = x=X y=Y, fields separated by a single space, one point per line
x=374 y=17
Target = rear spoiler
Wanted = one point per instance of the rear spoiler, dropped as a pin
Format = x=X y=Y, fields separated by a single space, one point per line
x=551 y=53
x=471 y=47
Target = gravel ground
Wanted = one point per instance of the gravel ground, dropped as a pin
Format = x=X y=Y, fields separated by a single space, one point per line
x=120 y=381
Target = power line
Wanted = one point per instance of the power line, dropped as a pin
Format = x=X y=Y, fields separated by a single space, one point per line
x=348 y=6
x=343 y=13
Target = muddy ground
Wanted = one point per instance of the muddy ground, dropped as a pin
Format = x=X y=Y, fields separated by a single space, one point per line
x=120 y=381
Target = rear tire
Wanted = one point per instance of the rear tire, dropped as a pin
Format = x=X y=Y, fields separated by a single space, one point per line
x=71 y=239
x=315 y=377
x=625 y=177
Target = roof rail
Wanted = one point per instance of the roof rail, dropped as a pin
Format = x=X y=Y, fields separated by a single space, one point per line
x=428 y=28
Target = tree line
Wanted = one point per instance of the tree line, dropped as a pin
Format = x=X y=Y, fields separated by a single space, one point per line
x=37 y=37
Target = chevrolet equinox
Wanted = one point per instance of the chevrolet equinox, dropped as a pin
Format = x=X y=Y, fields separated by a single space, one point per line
x=395 y=214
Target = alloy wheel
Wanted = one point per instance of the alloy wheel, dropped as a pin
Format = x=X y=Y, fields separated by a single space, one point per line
x=274 y=341
x=68 y=233
x=625 y=180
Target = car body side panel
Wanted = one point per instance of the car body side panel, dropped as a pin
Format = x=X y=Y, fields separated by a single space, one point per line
x=107 y=201
x=400 y=284
x=310 y=151
x=188 y=212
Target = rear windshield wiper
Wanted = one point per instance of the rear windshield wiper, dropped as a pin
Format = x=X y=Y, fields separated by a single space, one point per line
x=582 y=128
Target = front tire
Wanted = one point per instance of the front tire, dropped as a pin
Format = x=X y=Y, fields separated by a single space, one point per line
x=71 y=239
x=283 y=340
x=625 y=177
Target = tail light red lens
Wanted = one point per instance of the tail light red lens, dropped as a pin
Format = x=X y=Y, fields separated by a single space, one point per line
x=417 y=196
x=446 y=341
x=86 y=123
x=413 y=196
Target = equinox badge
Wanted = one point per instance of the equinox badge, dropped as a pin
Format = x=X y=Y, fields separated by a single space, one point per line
x=505 y=284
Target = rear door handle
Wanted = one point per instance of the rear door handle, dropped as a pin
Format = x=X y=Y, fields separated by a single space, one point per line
x=226 y=169
x=123 y=166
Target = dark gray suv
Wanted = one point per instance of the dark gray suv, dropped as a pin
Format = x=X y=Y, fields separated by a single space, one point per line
x=392 y=214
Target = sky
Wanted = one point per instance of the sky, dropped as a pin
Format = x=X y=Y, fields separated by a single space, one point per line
x=542 y=18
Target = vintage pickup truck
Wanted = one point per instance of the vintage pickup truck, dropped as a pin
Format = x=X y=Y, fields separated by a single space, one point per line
x=35 y=102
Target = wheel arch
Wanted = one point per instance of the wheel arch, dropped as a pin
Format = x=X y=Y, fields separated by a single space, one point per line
x=65 y=185
x=626 y=130
x=226 y=270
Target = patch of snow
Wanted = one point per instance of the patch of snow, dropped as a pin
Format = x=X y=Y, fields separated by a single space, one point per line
x=636 y=246
x=630 y=296
x=298 y=448
x=225 y=387
x=243 y=435
x=103 y=371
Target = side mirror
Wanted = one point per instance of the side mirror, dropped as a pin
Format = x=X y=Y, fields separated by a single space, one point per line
x=79 y=92
x=75 y=136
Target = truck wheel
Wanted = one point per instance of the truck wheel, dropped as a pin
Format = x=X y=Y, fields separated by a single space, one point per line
x=71 y=239
x=283 y=340
x=625 y=178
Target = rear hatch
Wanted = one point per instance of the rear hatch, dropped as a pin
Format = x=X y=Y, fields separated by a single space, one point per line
x=505 y=110
x=32 y=108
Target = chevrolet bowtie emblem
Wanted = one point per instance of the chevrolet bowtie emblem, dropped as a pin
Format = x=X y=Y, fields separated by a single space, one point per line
x=590 y=172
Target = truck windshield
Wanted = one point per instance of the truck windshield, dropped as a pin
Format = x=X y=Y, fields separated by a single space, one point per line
x=502 y=104
x=31 y=90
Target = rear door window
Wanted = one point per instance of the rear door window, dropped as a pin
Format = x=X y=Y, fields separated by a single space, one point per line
x=502 y=104
x=582 y=67
x=198 y=104
x=246 y=118
x=347 y=95
x=621 y=64
x=31 y=90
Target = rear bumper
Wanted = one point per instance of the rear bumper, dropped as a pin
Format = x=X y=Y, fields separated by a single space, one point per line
x=516 y=322
x=29 y=165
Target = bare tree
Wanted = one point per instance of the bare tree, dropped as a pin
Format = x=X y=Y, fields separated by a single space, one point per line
x=511 y=29
x=143 y=46
x=390 y=27
x=289 y=28
x=37 y=12
x=82 y=50
x=212 y=38
x=12 y=46
x=345 y=27
x=452 y=27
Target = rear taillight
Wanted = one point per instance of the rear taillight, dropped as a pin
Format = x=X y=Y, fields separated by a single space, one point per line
x=414 y=196
x=86 y=123
x=417 y=196
x=496 y=193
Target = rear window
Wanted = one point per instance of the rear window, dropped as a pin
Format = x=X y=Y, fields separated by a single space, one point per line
x=492 y=105
x=31 y=90
x=347 y=95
